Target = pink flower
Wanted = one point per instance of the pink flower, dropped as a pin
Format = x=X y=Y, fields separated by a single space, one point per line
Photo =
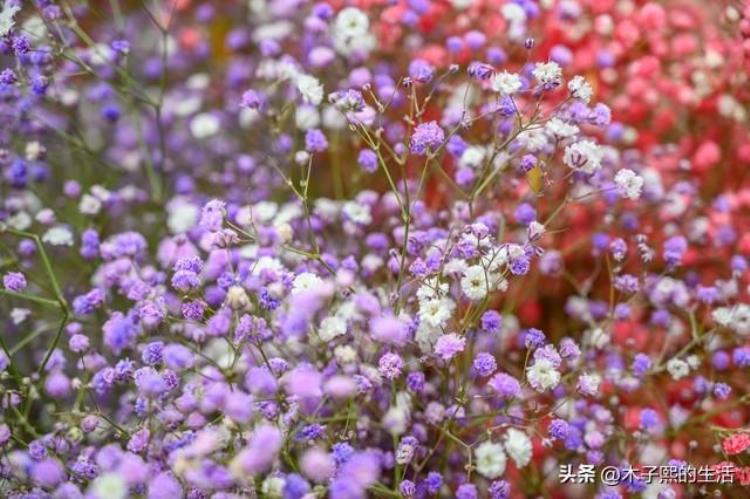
x=736 y=443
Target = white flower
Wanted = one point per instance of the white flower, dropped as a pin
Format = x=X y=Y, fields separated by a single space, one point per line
x=693 y=361
x=89 y=205
x=20 y=221
x=722 y=316
x=372 y=263
x=331 y=327
x=345 y=354
x=542 y=375
x=181 y=215
x=473 y=157
x=533 y=139
x=559 y=129
x=101 y=193
x=474 y=283
x=584 y=156
x=272 y=487
x=237 y=298
x=306 y=117
x=490 y=459
x=396 y=420
x=461 y=4
x=109 y=485
x=629 y=183
x=357 y=213
x=549 y=74
x=516 y=18
x=536 y=230
x=306 y=281
x=518 y=446
x=588 y=384
x=333 y=119
x=436 y=312
x=6 y=19
x=736 y=318
x=432 y=288
x=45 y=216
x=310 y=89
x=513 y=13
x=351 y=22
x=580 y=89
x=678 y=368
x=351 y=32
x=18 y=315
x=204 y=125
x=33 y=150
x=456 y=266
x=426 y=336
x=58 y=236
x=506 y=83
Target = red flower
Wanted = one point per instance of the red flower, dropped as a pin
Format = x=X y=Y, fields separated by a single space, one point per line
x=736 y=443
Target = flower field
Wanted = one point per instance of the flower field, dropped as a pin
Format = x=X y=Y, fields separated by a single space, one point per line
x=374 y=248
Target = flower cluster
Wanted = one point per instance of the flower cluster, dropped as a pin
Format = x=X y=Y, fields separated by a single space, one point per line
x=423 y=248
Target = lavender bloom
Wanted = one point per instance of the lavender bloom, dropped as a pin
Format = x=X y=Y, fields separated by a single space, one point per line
x=261 y=450
x=14 y=281
x=427 y=137
x=421 y=71
x=505 y=385
x=368 y=160
x=484 y=364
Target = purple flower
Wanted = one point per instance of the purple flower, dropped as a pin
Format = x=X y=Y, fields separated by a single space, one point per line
x=389 y=329
x=86 y=304
x=48 y=473
x=8 y=77
x=89 y=244
x=499 y=489
x=295 y=487
x=390 y=365
x=78 y=343
x=505 y=385
x=569 y=349
x=185 y=281
x=212 y=216
x=317 y=465
x=525 y=214
x=427 y=137
x=177 y=357
x=467 y=491
x=449 y=345
x=641 y=364
x=533 y=338
x=484 y=364
x=164 y=486
x=14 y=281
x=649 y=419
x=315 y=141
x=303 y=382
x=491 y=321
x=407 y=488
x=558 y=429
x=415 y=381
x=722 y=391
x=421 y=71
x=252 y=99
x=674 y=249
x=433 y=482
x=368 y=160
x=120 y=332
x=360 y=471
x=480 y=70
